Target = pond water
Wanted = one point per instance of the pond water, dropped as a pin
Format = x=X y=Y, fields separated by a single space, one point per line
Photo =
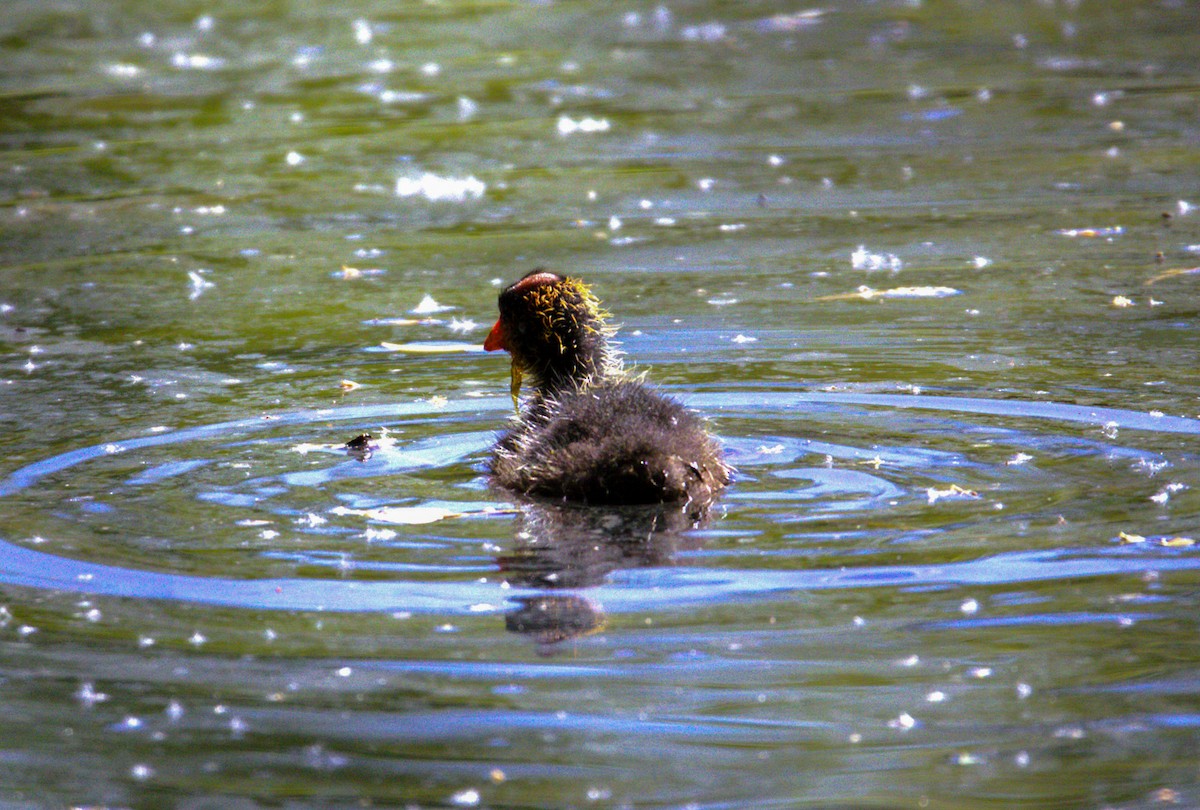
x=929 y=268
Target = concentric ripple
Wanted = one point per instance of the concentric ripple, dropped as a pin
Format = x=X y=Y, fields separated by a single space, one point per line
x=826 y=480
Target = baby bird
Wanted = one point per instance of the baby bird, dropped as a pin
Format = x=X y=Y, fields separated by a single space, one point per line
x=590 y=433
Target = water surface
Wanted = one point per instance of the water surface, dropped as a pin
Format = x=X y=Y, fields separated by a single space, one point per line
x=929 y=268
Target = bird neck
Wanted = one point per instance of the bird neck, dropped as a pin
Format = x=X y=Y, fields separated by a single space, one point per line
x=574 y=370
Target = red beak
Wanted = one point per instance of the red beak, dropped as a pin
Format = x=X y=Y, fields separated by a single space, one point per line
x=496 y=339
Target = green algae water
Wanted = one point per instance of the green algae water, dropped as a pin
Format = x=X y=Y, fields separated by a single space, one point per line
x=930 y=268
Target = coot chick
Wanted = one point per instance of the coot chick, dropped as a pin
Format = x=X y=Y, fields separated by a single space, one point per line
x=589 y=432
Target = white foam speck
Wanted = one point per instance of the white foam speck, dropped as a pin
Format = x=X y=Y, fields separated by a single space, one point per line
x=362 y=32
x=123 y=71
x=440 y=189
x=863 y=259
x=429 y=306
x=198 y=285
x=196 y=61
x=465 y=798
x=569 y=126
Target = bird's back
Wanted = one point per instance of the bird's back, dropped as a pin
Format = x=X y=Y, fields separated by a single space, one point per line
x=616 y=441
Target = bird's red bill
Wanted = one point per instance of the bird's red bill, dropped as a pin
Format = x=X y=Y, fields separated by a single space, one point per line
x=496 y=339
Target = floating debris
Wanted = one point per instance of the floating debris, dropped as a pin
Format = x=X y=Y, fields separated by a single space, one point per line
x=1121 y=302
x=349 y=385
x=304 y=448
x=361 y=447
x=569 y=126
x=1172 y=273
x=88 y=696
x=792 y=22
x=429 y=306
x=362 y=31
x=432 y=347
x=400 y=321
x=1164 y=494
x=954 y=492
x=196 y=61
x=348 y=273
x=863 y=259
x=868 y=294
x=1128 y=538
x=123 y=70
x=441 y=189
x=1092 y=233
x=199 y=284
x=400 y=515
x=1177 y=542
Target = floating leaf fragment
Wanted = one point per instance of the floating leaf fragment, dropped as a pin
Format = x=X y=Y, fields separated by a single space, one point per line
x=350 y=385
x=955 y=491
x=400 y=515
x=869 y=294
x=1172 y=273
x=401 y=321
x=1121 y=301
x=1091 y=233
x=1177 y=542
x=432 y=347
x=1126 y=537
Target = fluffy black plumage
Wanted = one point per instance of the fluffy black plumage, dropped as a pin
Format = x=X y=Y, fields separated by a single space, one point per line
x=589 y=433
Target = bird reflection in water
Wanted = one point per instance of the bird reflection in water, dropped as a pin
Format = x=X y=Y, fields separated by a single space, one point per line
x=562 y=547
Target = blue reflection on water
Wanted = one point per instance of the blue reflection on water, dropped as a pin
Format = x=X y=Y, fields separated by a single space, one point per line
x=625 y=590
